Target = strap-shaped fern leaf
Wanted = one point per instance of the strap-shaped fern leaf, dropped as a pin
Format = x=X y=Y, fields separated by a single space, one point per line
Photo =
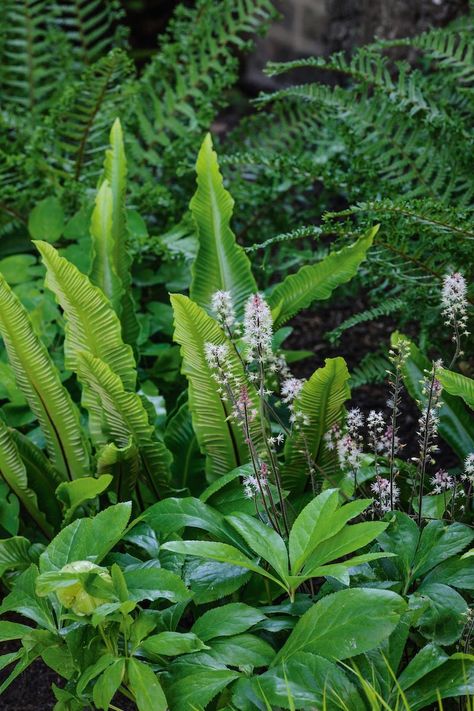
x=13 y=471
x=42 y=477
x=123 y=463
x=220 y=263
x=219 y=439
x=458 y=385
x=126 y=420
x=322 y=398
x=111 y=260
x=318 y=281
x=92 y=326
x=39 y=381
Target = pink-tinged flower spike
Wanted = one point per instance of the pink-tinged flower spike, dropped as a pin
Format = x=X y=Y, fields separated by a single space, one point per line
x=224 y=310
x=454 y=302
x=428 y=426
x=386 y=494
x=258 y=330
x=290 y=389
x=442 y=482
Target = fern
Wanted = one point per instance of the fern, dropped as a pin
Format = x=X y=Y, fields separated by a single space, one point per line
x=372 y=369
x=388 y=307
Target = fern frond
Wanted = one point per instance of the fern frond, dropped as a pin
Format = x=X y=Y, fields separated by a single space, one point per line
x=82 y=118
x=372 y=369
x=386 y=308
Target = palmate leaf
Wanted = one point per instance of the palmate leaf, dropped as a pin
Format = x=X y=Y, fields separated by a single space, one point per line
x=321 y=399
x=221 y=264
x=13 y=471
x=92 y=326
x=317 y=281
x=220 y=440
x=126 y=420
x=39 y=381
x=111 y=261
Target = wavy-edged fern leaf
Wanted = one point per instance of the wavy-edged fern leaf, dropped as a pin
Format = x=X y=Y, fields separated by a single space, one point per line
x=322 y=398
x=220 y=440
x=318 y=281
x=126 y=421
x=92 y=326
x=13 y=471
x=221 y=264
x=39 y=381
x=111 y=261
x=42 y=477
x=458 y=385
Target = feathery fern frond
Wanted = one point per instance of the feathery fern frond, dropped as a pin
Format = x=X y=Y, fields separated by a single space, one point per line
x=386 y=308
x=82 y=118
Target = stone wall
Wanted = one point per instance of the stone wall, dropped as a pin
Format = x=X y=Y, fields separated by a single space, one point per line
x=319 y=27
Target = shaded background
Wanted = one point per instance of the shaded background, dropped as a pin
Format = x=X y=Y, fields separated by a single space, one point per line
x=306 y=27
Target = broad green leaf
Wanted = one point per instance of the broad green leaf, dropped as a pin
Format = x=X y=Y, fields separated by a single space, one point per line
x=263 y=540
x=145 y=687
x=147 y=582
x=456 y=571
x=193 y=686
x=23 y=600
x=227 y=620
x=171 y=644
x=73 y=494
x=456 y=424
x=336 y=626
x=438 y=542
x=311 y=682
x=457 y=385
x=221 y=264
x=315 y=282
x=39 y=381
x=106 y=686
x=210 y=580
x=12 y=630
x=13 y=471
x=401 y=537
x=46 y=220
x=339 y=569
x=111 y=259
x=311 y=527
x=34 y=645
x=428 y=658
x=219 y=439
x=321 y=399
x=220 y=552
x=93 y=671
x=87 y=538
x=125 y=418
x=346 y=540
x=92 y=326
x=172 y=514
x=445 y=618
x=454 y=678
x=242 y=649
